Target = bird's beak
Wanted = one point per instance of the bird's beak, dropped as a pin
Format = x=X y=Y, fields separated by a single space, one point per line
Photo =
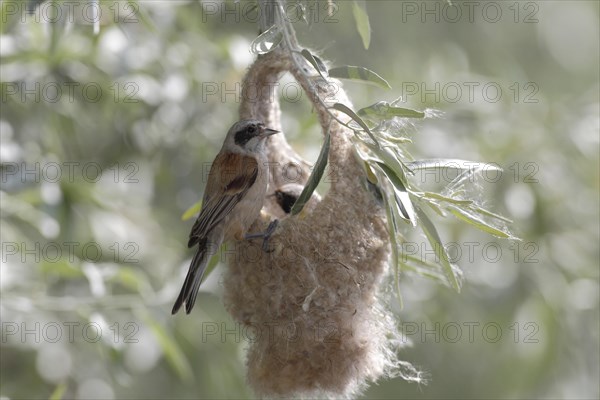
x=268 y=132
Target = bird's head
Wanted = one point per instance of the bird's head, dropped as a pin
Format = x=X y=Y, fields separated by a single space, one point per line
x=248 y=136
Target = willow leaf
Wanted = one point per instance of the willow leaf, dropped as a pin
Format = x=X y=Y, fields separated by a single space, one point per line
x=370 y=174
x=359 y=10
x=346 y=110
x=359 y=74
x=59 y=391
x=435 y=207
x=382 y=110
x=267 y=41
x=478 y=222
x=488 y=213
x=402 y=196
x=314 y=178
x=193 y=210
x=422 y=267
x=392 y=160
x=437 y=196
x=392 y=227
x=315 y=62
x=436 y=242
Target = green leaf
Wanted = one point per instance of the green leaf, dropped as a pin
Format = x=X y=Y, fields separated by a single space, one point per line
x=479 y=223
x=437 y=196
x=402 y=196
x=346 y=110
x=359 y=9
x=59 y=391
x=171 y=350
x=422 y=267
x=436 y=242
x=315 y=62
x=386 y=156
x=267 y=41
x=359 y=74
x=314 y=178
x=454 y=187
x=435 y=207
x=382 y=110
x=370 y=174
x=488 y=213
x=392 y=140
x=394 y=244
x=193 y=210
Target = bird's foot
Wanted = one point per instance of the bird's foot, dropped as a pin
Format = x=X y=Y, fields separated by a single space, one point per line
x=265 y=236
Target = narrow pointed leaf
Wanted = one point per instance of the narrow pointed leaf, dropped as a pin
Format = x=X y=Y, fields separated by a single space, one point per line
x=478 y=222
x=386 y=156
x=315 y=62
x=453 y=188
x=436 y=208
x=322 y=66
x=359 y=10
x=437 y=196
x=314 y=178
x=193 y=210
x=402 y=195
x=490 y=214
x=346 y=110
x=422 y=267
x=359 y=74
x=59 y=391
x=438 y=247
x=393 y=140
x=395 y=256
x=267 y=41
x=382 y=110
x=370 y=174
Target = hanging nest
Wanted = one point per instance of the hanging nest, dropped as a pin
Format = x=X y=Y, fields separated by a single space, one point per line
x=313 y=302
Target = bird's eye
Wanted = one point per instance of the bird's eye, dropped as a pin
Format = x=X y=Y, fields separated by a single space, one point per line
x=251 y=129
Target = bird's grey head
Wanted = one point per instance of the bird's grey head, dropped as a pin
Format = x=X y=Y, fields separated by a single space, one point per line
x=249 y=134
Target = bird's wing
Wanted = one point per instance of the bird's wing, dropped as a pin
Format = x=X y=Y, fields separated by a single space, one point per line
x=228 y=181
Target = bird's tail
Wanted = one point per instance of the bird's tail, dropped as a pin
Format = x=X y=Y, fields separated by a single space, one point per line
x=189 y=291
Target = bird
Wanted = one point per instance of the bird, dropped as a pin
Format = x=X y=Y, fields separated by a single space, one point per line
x=233 y=197
x=286 y=195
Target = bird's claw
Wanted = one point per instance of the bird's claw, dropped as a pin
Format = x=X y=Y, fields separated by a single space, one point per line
x=265 y=236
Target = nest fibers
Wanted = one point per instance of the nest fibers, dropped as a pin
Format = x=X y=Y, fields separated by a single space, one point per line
x=312 y=304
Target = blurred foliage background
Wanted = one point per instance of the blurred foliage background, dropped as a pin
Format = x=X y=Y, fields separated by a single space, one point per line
x=108 y=129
